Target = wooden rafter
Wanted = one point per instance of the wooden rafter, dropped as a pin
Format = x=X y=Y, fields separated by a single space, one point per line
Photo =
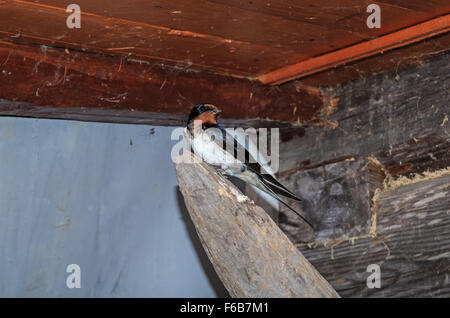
x=56 y=83
x=249 y=252
x=235 y=38
x=359 y=51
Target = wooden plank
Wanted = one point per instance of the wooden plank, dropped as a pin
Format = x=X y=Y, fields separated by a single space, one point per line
x=400 y=119
x=336 y=198
x=349 y=15
x=210 y=18
x=429 y=153
x=108 y=115
x=56 y=83
x=205 y=41
x=432 y=6
x=220 y=36
x=250 y=254
x=396 y=59
x=411 y=246
x=376 y=114
x=359 y=51
x=34 y=23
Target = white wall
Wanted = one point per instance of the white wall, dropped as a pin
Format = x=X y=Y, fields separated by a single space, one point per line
x=103 y=196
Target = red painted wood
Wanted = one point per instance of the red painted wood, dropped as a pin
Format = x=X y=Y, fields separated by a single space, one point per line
x=233 y=37
x=359 y=51
x=63 y=80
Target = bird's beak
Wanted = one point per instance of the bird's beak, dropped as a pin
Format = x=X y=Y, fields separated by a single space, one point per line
x=217 y=111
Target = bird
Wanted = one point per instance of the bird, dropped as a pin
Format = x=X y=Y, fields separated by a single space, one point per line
x=214 y=145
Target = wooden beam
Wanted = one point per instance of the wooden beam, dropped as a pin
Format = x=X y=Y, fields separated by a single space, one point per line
x=359 y=51
x=336 y=197
x=179 y=33
x=250 y=254
x=376 y=114
x=339 y=196
x=429 y=153
x=146 y=30
x=404 y=57
x=39 y=81
x=411 y=245
x=398 y=123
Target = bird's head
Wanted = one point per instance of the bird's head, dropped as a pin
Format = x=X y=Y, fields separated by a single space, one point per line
x=206 y=113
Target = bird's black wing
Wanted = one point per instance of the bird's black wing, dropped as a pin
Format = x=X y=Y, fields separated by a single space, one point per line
x=270 y=184
x=232 y=146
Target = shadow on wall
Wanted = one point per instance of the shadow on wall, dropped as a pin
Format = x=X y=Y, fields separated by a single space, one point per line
x=208 y=268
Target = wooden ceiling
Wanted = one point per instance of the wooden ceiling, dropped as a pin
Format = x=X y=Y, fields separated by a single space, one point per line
x=250 y=38
x=150 y=61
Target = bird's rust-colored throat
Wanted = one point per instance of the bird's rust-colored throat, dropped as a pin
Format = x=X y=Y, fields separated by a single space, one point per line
x=207 y=118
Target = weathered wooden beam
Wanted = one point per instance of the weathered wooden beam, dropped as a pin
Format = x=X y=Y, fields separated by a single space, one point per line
x=359 y=51
x=393 y=125
x=75 y=84
x=396 y=59
x=428 y=153
x=376 y=114
x=23 y=109
x=250 y=254
x=201 y=35
x=411 y=245
x=337 y=199
x=399 y=121
x=150 y=31
x=338 y=196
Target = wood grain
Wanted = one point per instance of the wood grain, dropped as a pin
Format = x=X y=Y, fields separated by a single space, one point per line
x=336 y=198
x=429 y=153
x=404 y=37
x=376 y=114
x=397 y=59
x=250 y=254
x=412 y=246
x=56 y=83
x=399 y=119
x=238 y=38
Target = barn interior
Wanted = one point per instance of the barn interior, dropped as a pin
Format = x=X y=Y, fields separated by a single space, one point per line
x=87 y=111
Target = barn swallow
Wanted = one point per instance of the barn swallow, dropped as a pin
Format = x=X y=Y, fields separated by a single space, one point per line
x=216 y=147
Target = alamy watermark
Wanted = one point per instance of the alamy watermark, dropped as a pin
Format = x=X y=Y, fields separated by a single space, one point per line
x=255 y=141
x=374 y=279
x=74 y=278
x=374 y=19
x=73 y=21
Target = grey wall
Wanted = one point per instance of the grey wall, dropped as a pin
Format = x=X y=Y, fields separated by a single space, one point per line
x=103 y=196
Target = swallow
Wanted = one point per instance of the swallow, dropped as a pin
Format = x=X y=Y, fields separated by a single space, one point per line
x=218 y=148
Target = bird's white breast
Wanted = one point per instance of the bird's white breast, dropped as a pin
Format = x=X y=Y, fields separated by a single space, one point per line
x=209 y=151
